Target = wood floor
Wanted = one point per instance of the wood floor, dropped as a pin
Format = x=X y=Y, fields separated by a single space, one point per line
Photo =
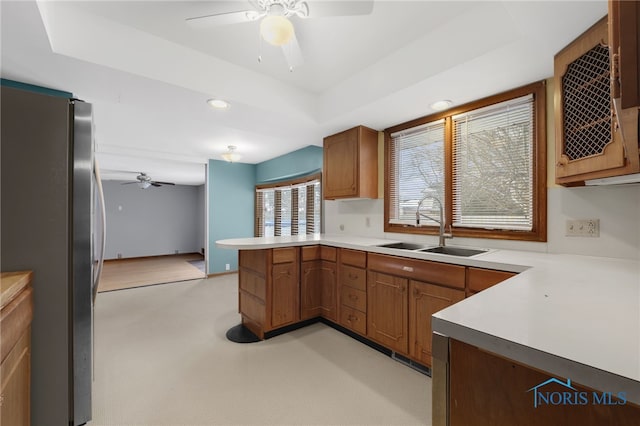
x=119 y=274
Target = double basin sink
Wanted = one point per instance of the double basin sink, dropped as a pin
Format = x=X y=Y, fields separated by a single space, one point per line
x=450 y=250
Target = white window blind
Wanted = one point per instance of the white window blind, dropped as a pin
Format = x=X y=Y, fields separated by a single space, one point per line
x=417 y=162
x=288 y=209
x=493 y=166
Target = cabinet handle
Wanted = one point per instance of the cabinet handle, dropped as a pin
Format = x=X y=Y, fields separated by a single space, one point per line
x=353 y=277
x=407 y=268
x=353 y=297
x=352 y=318
x=416 y=292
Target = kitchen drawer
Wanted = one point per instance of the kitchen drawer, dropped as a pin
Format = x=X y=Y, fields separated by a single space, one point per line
x=284 y=255
x=421 y=270
x=356 y=299
x=253 y=283
x=479 y=279
x=353 y=258
x=353 y=277
x=353 y=319
x=310 y=253
x=328 y=253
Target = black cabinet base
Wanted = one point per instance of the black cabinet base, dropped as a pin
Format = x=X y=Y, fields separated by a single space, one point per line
x=241 y=334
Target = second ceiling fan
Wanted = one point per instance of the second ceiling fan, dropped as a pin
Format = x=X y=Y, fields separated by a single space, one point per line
x=275 y=26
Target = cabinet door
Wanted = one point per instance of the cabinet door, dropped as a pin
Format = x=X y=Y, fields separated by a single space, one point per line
x=387 y=304
x=425 y=300
x=340 y=170
x=588 y=141
x=310 y=289
x=329 y=289
x=15 y=373
x=285 y=295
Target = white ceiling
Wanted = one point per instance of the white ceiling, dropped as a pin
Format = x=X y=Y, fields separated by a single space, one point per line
x=148 y=73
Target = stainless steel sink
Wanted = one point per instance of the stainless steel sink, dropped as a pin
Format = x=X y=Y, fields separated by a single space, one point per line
x=454 y=251
x=404 y=246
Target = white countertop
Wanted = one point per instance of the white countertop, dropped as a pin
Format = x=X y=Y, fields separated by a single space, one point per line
x=573 y=316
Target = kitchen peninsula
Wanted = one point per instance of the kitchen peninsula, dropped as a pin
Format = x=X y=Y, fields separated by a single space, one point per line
x=569 y=316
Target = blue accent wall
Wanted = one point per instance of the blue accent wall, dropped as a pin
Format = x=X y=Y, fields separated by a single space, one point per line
x=294 y=164
x=231 y=209
x=231 y=190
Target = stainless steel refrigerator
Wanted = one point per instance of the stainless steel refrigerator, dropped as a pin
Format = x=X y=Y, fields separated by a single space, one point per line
x=52 y=223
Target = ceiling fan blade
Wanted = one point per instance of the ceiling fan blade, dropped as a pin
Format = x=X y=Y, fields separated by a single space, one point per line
x=156 y=183
x=127 y=183
x=320 y=9
x=219 y=19
x=292 y=53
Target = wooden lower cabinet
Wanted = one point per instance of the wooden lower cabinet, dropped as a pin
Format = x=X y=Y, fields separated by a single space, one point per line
x=479 y=279
x=318 y=288
x=426 y=299
x=269 y=288
x=387 y=317
x=488 y=389
x=16 y=313
x=352 y=290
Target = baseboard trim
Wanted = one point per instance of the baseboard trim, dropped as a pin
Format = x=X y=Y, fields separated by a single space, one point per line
x=219 y=274
x=152 y=257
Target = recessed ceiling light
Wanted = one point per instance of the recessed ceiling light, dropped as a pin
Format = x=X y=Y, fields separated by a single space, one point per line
x=441 y=105
x=218 y=103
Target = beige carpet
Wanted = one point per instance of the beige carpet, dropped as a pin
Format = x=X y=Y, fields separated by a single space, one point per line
x=162 y=359
x=120 y=274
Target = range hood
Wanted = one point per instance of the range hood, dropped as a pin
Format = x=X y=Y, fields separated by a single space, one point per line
x=614 y=180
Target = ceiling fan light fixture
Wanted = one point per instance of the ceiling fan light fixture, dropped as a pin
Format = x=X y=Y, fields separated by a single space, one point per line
x=231 y=156
x=276 y=30
x=144 y=184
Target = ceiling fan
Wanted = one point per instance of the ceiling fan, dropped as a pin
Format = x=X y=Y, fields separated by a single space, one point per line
x=144 y=181
x=275 y=26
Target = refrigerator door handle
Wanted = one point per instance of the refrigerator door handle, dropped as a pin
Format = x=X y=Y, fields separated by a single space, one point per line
x=96 y=172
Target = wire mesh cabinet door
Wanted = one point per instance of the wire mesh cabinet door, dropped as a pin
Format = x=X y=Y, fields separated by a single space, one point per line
x=586 y=140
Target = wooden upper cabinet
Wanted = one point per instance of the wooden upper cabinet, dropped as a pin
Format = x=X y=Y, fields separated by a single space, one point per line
x=350 y=164
x=596 y=134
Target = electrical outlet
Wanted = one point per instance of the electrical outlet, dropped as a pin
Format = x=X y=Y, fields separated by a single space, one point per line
x=119 y=255
x=227 y=267
x=583 y=228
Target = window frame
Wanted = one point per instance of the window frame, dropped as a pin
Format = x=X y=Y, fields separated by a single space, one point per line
x=282 y=184
x=538 y=233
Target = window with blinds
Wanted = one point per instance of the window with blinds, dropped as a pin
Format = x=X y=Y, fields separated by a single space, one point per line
x=417 y=158
x=493 y=166
x=288 y=208
x=485 y=162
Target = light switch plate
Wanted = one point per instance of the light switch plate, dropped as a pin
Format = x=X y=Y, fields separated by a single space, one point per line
x=583 y=228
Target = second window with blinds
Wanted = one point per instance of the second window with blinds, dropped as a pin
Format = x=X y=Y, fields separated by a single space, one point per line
x=484 y=163
x=288 y=208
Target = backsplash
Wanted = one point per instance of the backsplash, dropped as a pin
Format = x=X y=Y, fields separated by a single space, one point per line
x=617 y=208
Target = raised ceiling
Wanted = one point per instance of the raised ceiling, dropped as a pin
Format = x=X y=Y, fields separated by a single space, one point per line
x=149 y=73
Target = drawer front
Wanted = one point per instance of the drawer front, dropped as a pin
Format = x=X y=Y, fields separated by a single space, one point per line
x=421 y=270
x=284 y=255
x=356 y=299
x=253 y=283
x=328 y=253
x=480 y=279
x=353 y=277
x=310 y=253
x=353 y=257
x=353 y=320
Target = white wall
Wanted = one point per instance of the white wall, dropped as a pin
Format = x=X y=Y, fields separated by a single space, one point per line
x=617 y=207
x=153 y=221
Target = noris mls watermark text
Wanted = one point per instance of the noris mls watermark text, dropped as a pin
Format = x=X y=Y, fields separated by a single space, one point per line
x=569 y=395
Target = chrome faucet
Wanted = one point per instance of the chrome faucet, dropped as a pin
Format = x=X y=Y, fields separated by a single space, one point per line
x=441 y=234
